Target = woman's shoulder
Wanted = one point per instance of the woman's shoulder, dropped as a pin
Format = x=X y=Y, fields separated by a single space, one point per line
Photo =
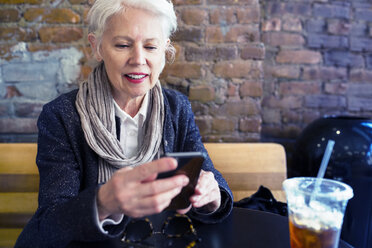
x=175 y=97
x=63 y=105
x=66 y=100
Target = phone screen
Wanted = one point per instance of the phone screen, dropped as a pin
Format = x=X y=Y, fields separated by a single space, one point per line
x=189 y=164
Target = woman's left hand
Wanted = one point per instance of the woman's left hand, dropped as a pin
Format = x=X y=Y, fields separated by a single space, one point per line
x=207 y=193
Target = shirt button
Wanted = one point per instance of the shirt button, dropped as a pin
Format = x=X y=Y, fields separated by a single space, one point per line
x=132 y=133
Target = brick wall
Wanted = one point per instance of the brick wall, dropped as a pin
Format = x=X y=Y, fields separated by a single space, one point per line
x=218 y=65
x=253 y=70
x=318 y=62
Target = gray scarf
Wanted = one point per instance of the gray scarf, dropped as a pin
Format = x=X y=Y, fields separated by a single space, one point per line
x=94 y=103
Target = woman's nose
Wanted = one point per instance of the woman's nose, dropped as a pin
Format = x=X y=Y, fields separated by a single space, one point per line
x=138 y=56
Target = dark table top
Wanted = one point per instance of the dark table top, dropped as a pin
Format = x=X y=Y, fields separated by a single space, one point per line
x=243 y=228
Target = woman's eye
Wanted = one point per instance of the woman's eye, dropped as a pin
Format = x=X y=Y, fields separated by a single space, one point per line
x=121 y=46
x=151 y=47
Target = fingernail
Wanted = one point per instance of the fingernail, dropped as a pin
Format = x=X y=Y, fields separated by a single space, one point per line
x=185 y=181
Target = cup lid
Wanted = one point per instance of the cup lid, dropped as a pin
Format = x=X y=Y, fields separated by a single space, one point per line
x=327 y=187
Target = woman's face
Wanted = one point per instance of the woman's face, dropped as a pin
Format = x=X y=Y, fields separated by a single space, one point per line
x=133 y=49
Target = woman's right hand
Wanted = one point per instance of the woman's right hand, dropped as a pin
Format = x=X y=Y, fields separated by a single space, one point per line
x=135 y=192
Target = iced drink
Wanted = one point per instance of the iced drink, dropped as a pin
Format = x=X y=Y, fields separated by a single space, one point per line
x=315 y=215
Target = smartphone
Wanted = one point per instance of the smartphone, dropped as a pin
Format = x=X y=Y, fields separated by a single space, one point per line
x=189 y=164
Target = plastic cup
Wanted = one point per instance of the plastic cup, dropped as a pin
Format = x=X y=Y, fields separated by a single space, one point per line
x=315 y=216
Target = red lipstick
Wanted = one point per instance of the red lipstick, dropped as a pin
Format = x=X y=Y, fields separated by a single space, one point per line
x=136 y=77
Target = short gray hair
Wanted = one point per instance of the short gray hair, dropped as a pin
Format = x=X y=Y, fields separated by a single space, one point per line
x=102 y=10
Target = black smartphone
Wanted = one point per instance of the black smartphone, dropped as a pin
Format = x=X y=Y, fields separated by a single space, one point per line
x=189 y=164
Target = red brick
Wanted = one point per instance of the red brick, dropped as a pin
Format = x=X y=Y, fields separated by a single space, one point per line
x=253 y=51
x=324 y=73
x=222 y=16
x=239 y=69
x=292 y=24
x=185 y=70
x=239 y=108
x=253 y=89
x=197 y=53
x=275 y=8
x=60 y=34
x=12 y=91
x=193 y=16
x=360 y=89
x=36 y=47
x=335 y=88
x=250 y=125
x=9 y=15
x=18 y=125
x=299 y=88
x=51 y=15
x=232 y=90
x=325 y=101
x=186 y=2
x=288 y=102
x=283 y=39
x=223 y=124
x=283 y=71
x=360 y=104
x=77 y=1
x=193 y=34
x=226 y=53
x=17 y=34
x=21 y=1
x=202 y=93
x=6 y=53
x=248 y=15
x=360 y=75
x=299 y=57
x=273 y=24
x=232 y=2
x=240 y=34
x=339 y=27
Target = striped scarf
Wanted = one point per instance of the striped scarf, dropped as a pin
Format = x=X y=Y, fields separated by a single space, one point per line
x=94 y=103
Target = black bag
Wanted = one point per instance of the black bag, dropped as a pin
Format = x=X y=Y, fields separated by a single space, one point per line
x=263 y=200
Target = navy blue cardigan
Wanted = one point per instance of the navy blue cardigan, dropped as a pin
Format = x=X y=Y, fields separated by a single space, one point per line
x=68 y=174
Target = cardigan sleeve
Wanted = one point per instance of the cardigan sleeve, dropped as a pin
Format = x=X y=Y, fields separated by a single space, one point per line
x=66 y=209
x=182 y=134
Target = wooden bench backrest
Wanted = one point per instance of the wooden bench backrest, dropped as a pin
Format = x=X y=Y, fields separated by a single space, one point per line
x=19 y=185
x=245 y=166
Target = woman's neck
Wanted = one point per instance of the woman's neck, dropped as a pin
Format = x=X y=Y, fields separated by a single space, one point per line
x=130 y=106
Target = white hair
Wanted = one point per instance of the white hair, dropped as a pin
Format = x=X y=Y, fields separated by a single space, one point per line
x=102 y=10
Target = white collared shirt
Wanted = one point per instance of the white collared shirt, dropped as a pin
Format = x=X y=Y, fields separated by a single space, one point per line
x=131 y=128
x=130 y=139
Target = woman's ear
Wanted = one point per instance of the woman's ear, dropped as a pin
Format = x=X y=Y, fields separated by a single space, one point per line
x=95 y=46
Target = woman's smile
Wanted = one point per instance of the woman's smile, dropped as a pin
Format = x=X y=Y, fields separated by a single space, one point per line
x=136 y=78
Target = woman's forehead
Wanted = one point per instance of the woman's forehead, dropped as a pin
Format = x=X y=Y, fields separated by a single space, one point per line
x=134 y=23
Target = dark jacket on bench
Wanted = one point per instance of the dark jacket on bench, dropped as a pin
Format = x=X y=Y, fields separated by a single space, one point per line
x=68 y=174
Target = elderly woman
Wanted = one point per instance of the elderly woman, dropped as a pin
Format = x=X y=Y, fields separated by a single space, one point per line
x=100 y=147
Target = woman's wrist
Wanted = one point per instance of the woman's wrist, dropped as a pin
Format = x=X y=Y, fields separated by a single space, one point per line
x=103 y=212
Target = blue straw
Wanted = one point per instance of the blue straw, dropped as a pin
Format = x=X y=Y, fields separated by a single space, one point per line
x=323 y=167
x=326 y=156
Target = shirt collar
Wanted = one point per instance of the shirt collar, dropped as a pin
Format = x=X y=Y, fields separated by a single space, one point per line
x=139 y=117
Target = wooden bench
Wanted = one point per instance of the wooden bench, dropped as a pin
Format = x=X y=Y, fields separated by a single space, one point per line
x=245 y=166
